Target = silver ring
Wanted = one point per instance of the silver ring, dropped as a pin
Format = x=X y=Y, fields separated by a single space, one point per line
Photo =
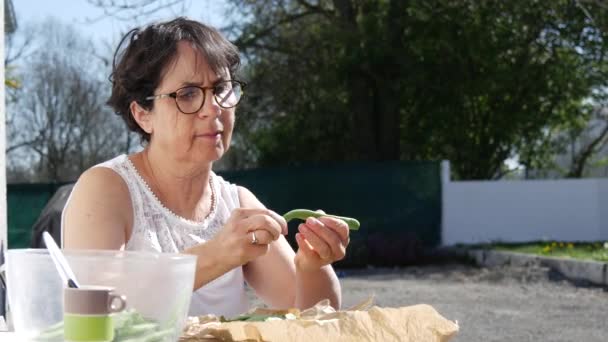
x=254 y=239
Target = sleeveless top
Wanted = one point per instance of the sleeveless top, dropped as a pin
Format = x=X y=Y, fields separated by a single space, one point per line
x=157 y=229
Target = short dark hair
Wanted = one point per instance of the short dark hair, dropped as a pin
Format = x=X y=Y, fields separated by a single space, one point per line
x=144 y=53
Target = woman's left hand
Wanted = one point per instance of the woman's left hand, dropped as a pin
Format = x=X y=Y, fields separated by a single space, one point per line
x=321 y=242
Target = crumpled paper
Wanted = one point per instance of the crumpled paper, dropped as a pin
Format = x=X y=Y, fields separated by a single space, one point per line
x=363 y=322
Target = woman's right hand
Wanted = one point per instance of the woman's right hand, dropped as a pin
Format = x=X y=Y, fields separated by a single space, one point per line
x=247 y=235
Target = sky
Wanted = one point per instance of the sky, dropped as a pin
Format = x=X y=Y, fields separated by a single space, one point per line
x=103 y=30
x=92 y=23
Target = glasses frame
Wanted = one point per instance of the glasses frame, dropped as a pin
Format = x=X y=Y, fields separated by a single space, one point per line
x=173 y=95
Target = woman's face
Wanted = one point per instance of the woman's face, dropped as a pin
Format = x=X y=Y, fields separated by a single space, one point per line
x=192 y=138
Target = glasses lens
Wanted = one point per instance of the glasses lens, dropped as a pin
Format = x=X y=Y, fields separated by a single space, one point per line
x=190 y=99
x=228 y=94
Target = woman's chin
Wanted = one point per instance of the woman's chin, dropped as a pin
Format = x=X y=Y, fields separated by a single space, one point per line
x=212 y=155
x=201 y=154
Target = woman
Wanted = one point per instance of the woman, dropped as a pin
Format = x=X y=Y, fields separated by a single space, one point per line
x=173 y=84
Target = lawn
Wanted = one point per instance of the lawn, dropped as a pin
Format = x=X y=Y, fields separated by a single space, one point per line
x=579 y=250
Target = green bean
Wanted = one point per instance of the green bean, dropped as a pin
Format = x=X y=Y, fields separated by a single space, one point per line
x=303 y=214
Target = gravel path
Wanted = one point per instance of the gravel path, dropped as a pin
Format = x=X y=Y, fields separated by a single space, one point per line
x=501 y=304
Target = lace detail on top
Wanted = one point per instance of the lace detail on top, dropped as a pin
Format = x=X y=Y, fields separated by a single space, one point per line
x=156 y=226
x=158 y=229
x=168 y=211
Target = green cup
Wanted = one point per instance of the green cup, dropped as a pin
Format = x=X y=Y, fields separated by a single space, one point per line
x=87 y=310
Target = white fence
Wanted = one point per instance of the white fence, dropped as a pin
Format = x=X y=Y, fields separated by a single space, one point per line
x=516 y=211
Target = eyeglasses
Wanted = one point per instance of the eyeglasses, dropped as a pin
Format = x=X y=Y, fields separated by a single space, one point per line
x=190 y=99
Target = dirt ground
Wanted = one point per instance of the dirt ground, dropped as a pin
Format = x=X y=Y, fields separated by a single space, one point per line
x=501 y=304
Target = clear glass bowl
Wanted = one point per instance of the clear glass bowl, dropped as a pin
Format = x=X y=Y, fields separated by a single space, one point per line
x=158 y=286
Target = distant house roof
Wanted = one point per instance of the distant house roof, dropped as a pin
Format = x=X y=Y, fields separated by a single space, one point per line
x=10 y=20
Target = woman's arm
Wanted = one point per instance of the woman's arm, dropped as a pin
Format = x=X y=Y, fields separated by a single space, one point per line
x=279 y=282
x=99 y=215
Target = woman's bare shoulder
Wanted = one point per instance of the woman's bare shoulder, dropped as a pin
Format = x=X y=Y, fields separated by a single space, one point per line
x=100 y=194
x=248 y=199
x=102 y=182
x=99 y=212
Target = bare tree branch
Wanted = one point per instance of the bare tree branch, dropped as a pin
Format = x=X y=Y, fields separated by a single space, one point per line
x=131 y=10
x=315 y=8
x=21 y=144
x=585 y=11
x=14 y=52
x=246 y=41
x=586 y=152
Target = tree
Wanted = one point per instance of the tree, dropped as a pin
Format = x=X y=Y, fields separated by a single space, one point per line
x=469 y=81
x=516 y=70
x=578 y=147
x=16 y=50
x=566 y=149
x=326 y=79
x=475 y=82
x=60 y=120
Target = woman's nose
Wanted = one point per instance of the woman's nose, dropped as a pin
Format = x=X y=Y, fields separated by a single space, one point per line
x=210 y=107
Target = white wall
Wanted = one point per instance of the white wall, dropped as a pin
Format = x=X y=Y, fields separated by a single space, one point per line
x=516 y=211
x=603 y=208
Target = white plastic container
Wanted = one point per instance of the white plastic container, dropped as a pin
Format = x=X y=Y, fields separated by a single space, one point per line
x=159 y=286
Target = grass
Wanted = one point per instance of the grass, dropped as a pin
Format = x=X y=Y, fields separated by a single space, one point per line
x=597 y=251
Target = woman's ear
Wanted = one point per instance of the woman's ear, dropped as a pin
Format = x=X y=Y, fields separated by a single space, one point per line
x=142 y=116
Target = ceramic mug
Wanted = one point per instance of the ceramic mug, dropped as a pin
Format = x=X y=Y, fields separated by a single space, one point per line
x=86 y=314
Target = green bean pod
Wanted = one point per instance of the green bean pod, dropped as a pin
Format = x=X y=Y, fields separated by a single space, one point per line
x=303 y=214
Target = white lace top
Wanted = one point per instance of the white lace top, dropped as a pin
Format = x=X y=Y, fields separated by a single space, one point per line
x=157 y=229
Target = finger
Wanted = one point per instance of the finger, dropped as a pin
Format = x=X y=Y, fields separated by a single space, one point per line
x=317 y=243
x=280 y=219
x=261 y=222
x=262 y=243
x=259 y=237
x=244 y=213
x=338 y=226
x=305 y=246
x=329 y=236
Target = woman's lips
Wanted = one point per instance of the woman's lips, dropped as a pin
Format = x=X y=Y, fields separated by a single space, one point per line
x=210 y=136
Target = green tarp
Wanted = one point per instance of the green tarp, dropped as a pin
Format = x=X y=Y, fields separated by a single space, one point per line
x=397 y=203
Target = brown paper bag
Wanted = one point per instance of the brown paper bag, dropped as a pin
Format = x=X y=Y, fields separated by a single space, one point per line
x=323 y=323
